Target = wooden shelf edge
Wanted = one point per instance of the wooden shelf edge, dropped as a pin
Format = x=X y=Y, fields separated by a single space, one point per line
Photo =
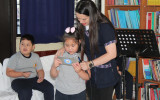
x=122 y=5
x=152 y=5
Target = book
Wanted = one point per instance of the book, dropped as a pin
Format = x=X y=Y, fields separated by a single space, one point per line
x=132 y=66
x=134 y=19
x=151 y=94
x=125 y=2
x=158 y=90
x=146 y=69
x=122 y=18
x=109 y=15
x=156 y=94
x=129 y=25
x=152 y=21
x=142 y=93
x=116 y=15
x=113 y=17
x=156 y=69
x=149 y=15
x=147 y=86
x=151 y=2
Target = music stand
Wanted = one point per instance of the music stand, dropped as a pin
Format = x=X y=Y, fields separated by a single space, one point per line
x=136 y=43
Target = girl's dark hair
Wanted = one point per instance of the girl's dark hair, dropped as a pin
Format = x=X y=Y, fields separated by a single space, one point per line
x=88 y=8
x=70 y=34
x=27 y=37
x=74 y=35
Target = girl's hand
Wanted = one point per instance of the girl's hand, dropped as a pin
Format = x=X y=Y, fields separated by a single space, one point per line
x=60 y=52
x=57 y=61
x=77 y=67
x=85 y=65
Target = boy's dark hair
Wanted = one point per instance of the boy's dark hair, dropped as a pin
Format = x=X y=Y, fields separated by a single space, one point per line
x=27 y=37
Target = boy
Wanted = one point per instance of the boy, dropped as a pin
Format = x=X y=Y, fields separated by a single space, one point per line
x=26 y=71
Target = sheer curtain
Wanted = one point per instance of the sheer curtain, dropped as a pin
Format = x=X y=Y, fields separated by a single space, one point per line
x=46 y=20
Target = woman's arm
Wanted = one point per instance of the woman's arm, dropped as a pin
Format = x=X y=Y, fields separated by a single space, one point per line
x=111 y=53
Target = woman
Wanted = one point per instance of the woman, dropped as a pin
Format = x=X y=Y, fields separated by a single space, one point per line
x=100 y=48
x=99 y=44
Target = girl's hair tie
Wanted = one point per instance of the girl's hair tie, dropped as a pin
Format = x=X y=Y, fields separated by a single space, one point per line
x=68 y=29
x=72 y=29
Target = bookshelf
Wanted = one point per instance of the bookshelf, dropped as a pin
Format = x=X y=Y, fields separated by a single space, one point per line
x=141 y=78
x=143 y=9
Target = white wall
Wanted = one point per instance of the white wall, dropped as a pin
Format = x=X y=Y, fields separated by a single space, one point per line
x=42 y=47
x=103 y=6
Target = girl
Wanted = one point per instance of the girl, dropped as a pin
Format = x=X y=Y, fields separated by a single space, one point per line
x=70 y=79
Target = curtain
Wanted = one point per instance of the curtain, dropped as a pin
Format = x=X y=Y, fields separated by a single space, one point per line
x=46 y=20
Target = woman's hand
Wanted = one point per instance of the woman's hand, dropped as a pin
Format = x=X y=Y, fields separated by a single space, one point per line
x=60 y=52
x=77 y=67
x=85 y=65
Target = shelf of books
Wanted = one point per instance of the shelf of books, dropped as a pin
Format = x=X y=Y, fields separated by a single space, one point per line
x=139 y=14
x=149 y=78
x=150 y=70
x=123 y=13
x=134 y=14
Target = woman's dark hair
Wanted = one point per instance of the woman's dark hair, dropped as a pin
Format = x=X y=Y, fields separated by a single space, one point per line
x=88 y=8
x=27 y=37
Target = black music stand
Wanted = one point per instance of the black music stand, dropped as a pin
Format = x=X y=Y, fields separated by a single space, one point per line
x=136 y=43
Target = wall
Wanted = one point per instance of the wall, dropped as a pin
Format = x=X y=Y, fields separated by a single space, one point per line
x=42 y=47
x=103 y=6
x=7 y=27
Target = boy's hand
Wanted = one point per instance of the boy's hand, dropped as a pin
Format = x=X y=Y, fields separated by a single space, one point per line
x=77 y=67
x=40 y=79
x=26 y=74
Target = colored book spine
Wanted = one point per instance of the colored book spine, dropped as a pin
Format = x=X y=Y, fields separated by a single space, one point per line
x=149 y=14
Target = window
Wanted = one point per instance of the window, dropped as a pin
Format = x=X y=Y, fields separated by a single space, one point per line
x=18 y=18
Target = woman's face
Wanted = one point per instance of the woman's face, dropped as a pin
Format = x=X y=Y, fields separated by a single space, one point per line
x=83 y=19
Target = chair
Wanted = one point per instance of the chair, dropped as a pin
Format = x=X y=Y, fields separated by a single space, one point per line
x=6 y=93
